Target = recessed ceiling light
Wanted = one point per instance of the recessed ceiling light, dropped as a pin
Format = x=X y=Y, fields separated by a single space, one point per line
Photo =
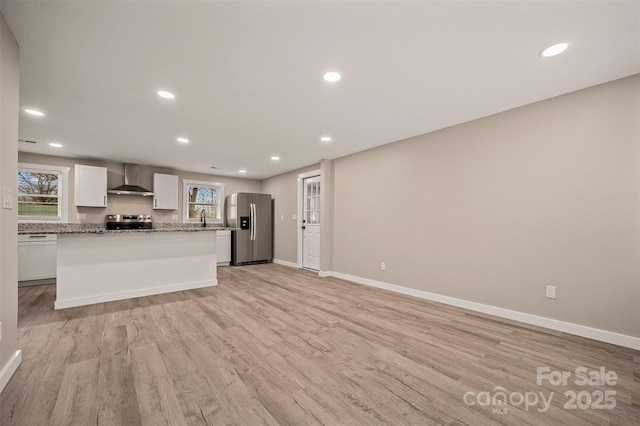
x=554 y=50
x=332 y=76
x=242 y=171
x=34 y=112
x=55 y=145
x=326 y=139
x=275 y=157
x=183 y=140
x=165 y=94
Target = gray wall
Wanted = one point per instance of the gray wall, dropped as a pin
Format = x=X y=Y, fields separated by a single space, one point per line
x=493 y=210
x=284 y=189
x=127 y=204
x=9 y=97
x=326 y=215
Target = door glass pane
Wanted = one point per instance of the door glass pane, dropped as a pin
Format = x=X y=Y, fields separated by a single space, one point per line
x=312 y=202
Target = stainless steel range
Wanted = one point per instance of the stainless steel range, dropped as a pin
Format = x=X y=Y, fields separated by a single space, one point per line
x=128 y=221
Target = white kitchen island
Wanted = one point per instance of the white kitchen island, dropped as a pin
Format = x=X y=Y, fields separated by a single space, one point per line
x=102 y=267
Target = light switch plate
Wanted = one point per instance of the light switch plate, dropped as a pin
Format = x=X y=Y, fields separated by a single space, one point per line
x=294 y=217
x=7 y=198
x=82 y=216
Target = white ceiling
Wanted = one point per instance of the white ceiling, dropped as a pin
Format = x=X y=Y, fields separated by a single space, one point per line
x=248 y=75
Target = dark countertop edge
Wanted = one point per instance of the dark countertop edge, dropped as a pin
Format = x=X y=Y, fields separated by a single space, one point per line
x=122 y=231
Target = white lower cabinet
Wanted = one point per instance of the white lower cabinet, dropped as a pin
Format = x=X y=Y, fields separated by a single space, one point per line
x=37 y=256
x=223 y=247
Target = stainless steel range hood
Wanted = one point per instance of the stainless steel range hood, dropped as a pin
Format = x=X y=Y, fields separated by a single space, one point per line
x=131 y=186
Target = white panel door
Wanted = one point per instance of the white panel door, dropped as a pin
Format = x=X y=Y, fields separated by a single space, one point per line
x=311 y=224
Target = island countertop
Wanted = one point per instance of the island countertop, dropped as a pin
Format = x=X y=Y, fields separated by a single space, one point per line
x=95 y=228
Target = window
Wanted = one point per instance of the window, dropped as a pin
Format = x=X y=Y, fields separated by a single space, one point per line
x=42 y=193
x=312 y=200
x=203 y=199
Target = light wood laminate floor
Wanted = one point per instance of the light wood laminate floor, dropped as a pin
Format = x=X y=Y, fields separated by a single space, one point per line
x=275 y=345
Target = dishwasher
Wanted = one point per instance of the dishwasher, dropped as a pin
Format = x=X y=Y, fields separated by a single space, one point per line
x=37 y=256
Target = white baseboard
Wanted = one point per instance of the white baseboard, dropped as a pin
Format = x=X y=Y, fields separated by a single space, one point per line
x=322 y=274
x=10 y=368
x=285 y=263
x=110 y=297
x=566 y=327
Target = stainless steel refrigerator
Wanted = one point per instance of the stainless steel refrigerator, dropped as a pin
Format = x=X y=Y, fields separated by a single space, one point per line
x=252 y=219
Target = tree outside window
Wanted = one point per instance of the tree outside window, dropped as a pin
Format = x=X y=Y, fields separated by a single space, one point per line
x=203 y=199
x=203 y=202
x=38 y=194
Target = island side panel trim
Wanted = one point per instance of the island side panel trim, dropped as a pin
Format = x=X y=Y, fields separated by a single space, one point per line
x=95 y=268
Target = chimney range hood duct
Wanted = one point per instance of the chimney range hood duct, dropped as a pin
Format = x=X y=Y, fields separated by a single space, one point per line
x=131 y=186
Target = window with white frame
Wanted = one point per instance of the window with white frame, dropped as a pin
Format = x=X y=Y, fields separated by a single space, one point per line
x=203 y=200
x=42 y=193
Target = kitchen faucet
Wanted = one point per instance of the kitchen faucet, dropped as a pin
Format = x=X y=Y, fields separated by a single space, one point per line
x=203 y=218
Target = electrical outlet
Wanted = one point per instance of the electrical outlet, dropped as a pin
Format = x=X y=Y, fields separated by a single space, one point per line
x=551 y=292
x=383 y=266
x=81 y=216
x=294 y=217
x=174 y=217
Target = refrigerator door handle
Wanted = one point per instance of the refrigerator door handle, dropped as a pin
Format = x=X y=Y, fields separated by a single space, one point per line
x=253 y=221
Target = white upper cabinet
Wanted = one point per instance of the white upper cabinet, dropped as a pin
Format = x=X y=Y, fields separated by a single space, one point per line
x=90 y=186
x=165 y=191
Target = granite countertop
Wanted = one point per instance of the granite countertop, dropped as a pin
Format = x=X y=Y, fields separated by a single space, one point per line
x=94 y=228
